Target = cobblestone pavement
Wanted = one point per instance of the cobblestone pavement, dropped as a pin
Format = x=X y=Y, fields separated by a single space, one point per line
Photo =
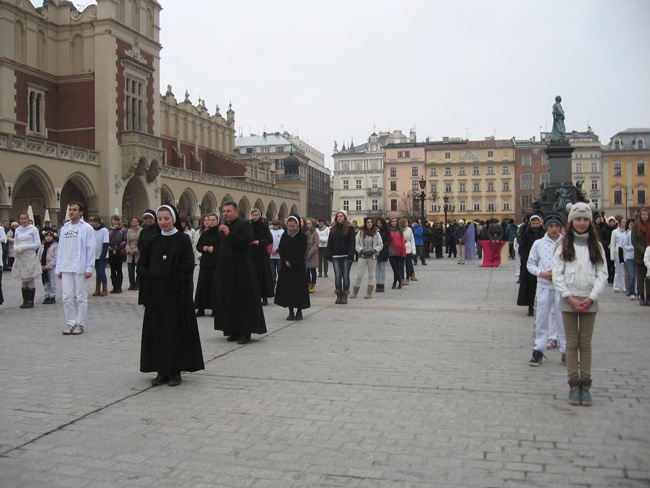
x=428 y=386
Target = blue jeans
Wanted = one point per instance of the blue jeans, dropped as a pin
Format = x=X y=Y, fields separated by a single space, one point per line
x=631 y=288
x=275 y=267
x=380 y=272
x=100 y=267
x=341 y=273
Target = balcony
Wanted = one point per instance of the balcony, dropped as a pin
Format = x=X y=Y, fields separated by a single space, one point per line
x=375 y=192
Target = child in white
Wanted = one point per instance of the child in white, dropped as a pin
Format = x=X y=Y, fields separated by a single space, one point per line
x=540 y=264
x=75 y=261
x=614 y=245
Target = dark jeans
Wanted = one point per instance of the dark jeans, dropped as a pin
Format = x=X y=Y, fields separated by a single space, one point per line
x=397 y=263
x=275 y=267
x=409 y=266
x=438 y=250
x=341 y=273
x=419 y=252
x=116 y=271
x=100 y=268
x=133 y=282
x=322 y=261
x=311 y=276
x=641 y=281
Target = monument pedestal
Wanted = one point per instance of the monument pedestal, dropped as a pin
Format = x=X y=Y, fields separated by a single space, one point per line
x=560 y=190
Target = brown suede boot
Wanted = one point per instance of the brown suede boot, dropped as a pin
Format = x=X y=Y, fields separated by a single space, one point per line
x=338 y=296
x=369 y=291
x=104 y=290
x=97 y=288
x=344 y=297
x=355 y=291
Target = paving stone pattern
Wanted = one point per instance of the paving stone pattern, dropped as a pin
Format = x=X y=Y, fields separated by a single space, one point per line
x=428 y=386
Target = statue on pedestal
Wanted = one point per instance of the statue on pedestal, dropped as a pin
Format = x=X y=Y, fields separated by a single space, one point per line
x=558 y=134
x=563 y=197
x=581 y=193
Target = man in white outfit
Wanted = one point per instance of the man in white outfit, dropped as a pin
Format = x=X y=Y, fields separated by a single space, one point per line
x=615 y=256
x=540 y=264
x=75 y=261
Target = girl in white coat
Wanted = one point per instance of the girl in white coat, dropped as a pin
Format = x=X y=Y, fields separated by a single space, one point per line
x=579 y=275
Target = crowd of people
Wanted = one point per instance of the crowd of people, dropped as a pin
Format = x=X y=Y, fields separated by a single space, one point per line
x=561 y=270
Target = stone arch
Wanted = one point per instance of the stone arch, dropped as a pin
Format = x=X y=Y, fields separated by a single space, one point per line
x=226 y=198
x=188 y=203
x=284 y=213
x=209 y=204
x=78 y=188
x=271 y=211
x=166 y=195
x=294 y=209
x=134 y=199
x=77 y=54
x=259 y=205
x=244 y=208
x=33 y=187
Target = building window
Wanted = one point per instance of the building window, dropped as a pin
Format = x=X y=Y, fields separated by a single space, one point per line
x=447 y=171
x=393 y=186
x=545 y=160
x=346 y=184
x=434 y=188
x=490 y=154
x=345 y=166
x=594 y=167
x=415 y=185
x=433 y=172
x=279 y=149
x=36 y=112
x=640 y=194
x=447 y=155
x=462 y=206
x=505 y=170
x=414 y=171
x=506 y=204
x=490 y=170
x=250 y=150
x=279 y=164
x=346 y=205
x=135 y=104
x=461 y=171
x=618 y=197
x=506 y=186
x=526 y=160
x=403 y=154
x=447 y=187
x=617 y=145
x=639 y=144
x=490 y=205
x=595 y=202
x=358 y=184
x=526 y=182
x=578 y=167
x=434 y=207
x=526 y=202
x=476 y=170
x=357 y=205
x=594 y=184
x=490 y=186
x=375 y=204
x=477 y=205
x=393 y=172
x=544 y=179
x=374 y=183
x=266 y=149
x=640 y=168
x=618 y=169
x=461 y=187
x=477 y=187
x=393 y=204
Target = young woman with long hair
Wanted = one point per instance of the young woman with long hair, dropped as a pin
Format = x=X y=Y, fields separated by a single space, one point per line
x=340 y=250
x=382 y=257
x=579 y=275
x=640 y=237
x=396 y=253
x=368 y=244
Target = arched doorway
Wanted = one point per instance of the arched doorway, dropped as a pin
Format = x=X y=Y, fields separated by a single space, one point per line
x=166 y=196
x=283 y=212
x=294 y=210
x=208 y=204
x=244 y=208
x=78 y=188
x=134 y=200
x=271 y=211
x=34 y=188
x=187 y=204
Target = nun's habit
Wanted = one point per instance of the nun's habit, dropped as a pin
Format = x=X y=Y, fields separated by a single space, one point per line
x=170 y=335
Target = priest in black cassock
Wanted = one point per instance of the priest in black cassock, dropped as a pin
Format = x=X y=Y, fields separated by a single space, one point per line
x=170 y=334
x=238 y=310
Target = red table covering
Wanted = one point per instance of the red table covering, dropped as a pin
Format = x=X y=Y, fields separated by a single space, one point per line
x=491 y=253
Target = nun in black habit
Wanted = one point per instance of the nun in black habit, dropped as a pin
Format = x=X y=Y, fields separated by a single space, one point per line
x=208 y=246
x=170 y=335
x=149 y=229
x=238 y=311
x=292 y=291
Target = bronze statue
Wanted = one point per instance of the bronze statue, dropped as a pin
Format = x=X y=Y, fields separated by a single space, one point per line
x=537 y=204
x=563 y=197
x=558 y=134
x=581 y=194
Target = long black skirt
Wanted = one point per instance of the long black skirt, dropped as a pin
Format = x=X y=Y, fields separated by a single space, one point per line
x=205 y=289
x=263 y=272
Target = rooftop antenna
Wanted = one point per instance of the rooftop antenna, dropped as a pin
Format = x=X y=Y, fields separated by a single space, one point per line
x=467 y=133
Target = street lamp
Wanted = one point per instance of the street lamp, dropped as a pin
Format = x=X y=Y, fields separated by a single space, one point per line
x=447 y=207
x=423 y=184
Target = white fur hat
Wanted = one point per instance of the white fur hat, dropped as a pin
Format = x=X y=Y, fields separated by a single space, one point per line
x=580 y=209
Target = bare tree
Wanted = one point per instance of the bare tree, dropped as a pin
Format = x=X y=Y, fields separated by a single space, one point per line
x=406 y=205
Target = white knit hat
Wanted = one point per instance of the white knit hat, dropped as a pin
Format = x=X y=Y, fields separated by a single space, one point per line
x=580 y=209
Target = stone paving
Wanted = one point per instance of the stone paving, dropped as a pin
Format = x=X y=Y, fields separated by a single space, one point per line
x=428 y=386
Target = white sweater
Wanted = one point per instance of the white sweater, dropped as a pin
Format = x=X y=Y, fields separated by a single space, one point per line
x=580 y=277
x=541 y=259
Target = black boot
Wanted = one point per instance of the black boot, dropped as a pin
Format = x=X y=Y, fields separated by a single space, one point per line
x=298 y=315
x=31 y=293
x=24 y=292
x=291 y=315
x=265 y=301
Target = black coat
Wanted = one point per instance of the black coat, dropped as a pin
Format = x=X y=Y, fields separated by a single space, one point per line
x=437 y=236
x=238 y=308
x=385 y=239
x=292 y=288
x=260 y=254
x=146 y=234
x=528 y=282
x=340 y=244
x=205 y=286
x=170 y=334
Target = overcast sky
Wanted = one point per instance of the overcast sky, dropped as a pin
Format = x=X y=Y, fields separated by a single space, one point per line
x=336 y=70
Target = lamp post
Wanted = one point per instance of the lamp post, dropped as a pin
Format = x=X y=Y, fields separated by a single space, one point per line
x=447 y=207
x=423 y=184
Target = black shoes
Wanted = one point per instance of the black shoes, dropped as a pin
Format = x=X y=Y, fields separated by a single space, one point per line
x=244 y=339
x=233 y=338
x=298 y=315
x=161 y=379
x=175 y=379
x=537 y=358
x=531 y=312
x=291 y=315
